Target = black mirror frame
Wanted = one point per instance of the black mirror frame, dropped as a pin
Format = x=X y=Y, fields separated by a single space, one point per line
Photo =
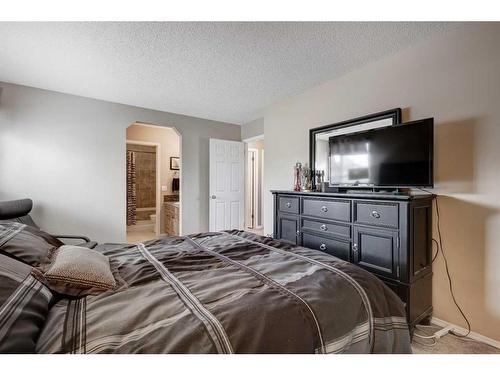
x=394 y=113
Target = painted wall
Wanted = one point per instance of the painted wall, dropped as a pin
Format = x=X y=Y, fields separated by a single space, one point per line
x=454 y=78
x=68 y=154
x=252 y=129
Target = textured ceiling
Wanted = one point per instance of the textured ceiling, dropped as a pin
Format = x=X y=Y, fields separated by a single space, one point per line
x=220 y=71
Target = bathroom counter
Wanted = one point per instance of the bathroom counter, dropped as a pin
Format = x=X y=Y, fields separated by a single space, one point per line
x=175 y=204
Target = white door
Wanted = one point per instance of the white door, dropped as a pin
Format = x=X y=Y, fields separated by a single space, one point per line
x=226 y=185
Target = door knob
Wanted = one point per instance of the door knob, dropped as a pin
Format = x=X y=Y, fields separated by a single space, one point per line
x=213 y=197
x=355 y=248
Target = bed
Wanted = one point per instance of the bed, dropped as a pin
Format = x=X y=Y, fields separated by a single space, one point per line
x=224 y=292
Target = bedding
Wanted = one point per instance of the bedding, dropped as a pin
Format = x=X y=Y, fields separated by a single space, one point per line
x=229 y=292
x=24 y=305
x=25 y=243
x=77 y=271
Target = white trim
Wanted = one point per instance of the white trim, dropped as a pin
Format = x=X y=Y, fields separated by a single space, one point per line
x=252 y=171
x=261 y=206
x=462 y=331
x=152 y=125
x=256 y=190
x=257 y=224
x=181 y=181
x=248 y=186
x=159 y=196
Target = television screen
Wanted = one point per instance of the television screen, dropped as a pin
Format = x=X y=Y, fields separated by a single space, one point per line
x=394 y=156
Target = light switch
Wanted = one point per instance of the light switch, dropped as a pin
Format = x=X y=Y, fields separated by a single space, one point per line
x=164 y=188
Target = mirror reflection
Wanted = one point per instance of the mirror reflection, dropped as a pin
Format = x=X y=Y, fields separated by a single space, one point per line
x=342 y=162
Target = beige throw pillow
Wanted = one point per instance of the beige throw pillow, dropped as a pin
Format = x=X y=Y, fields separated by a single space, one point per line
x=76 y=271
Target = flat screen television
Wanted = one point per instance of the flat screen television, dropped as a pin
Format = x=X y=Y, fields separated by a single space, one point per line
x=395 y=156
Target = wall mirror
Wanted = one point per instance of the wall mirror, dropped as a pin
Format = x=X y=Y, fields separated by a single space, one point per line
x=319 y=137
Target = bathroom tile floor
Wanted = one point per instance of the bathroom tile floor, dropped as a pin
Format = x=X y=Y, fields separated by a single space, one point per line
x=140 y=235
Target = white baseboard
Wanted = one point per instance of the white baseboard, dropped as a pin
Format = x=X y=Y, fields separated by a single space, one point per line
x=462 y=331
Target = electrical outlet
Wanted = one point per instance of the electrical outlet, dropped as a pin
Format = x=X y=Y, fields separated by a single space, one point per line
x=443 y=331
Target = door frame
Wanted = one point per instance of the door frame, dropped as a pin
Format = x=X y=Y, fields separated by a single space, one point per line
x=260 y=157
x=252 y=187
x=158 y=179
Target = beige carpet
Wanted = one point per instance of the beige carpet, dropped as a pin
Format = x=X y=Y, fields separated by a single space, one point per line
x=260 y=232
x=449 y=344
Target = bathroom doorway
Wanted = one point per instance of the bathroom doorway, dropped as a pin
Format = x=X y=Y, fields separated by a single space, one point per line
x=153 y=182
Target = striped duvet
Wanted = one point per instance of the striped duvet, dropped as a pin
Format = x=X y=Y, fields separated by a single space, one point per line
x=229 y=292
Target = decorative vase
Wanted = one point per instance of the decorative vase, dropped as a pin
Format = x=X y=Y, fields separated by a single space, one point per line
x=306 y=182
x=297 y=171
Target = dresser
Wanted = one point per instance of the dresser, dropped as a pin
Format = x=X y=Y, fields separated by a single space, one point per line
x=389 y=235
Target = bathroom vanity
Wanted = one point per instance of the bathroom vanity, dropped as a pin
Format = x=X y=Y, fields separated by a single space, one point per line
x=171 y=221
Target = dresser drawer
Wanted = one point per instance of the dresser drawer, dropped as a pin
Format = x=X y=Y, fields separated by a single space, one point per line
x=339 y=249
x=288 y=204
x=338 y=230
x=327 y=209
x=380 y=214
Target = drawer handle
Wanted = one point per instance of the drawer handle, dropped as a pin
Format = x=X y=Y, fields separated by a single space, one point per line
x=288 y=205
x=323 y=227
x=322 y=247
x=324 y=208
x=375 y=214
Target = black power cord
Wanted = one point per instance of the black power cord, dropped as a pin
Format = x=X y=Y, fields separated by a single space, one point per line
x=440 y=247
x=437 y=251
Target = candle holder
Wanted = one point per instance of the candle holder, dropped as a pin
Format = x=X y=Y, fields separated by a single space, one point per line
x=320 y=179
